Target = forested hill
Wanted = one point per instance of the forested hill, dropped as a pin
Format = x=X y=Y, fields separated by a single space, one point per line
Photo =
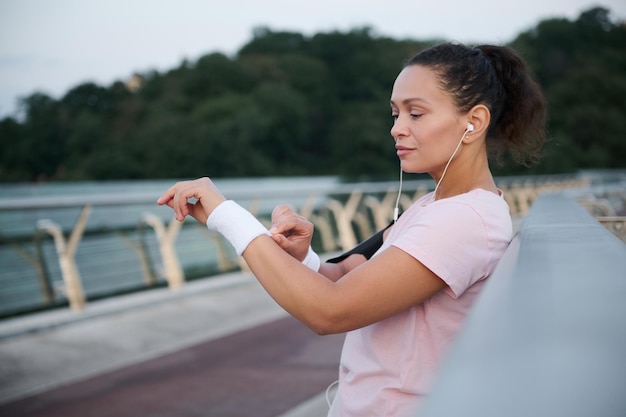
x=289 y=104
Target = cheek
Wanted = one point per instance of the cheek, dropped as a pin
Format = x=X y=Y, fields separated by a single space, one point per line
x=437 y=143
x=431 y=138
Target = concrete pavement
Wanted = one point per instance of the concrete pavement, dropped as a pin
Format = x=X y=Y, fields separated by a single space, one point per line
x=50 y=358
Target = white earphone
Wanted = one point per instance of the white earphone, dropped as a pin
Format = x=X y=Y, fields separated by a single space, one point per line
x=470 y=128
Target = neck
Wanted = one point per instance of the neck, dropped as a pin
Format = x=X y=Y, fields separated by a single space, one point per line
x=463 y=176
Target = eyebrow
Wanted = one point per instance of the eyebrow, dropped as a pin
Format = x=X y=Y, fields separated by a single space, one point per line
x=411 y=100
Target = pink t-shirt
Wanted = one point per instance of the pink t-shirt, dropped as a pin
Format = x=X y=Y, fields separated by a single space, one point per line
x=386 y=368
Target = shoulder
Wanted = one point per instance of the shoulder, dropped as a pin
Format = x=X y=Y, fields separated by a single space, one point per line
x=457 y=238
x=477 y=208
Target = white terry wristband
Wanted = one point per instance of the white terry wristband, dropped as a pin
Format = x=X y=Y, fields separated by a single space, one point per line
x=236 y=224
x=312 y=260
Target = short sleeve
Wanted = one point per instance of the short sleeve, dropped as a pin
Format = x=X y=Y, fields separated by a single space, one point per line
x=450 y=239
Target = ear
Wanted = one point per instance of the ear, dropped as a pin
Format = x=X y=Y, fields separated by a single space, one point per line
x=479 y=116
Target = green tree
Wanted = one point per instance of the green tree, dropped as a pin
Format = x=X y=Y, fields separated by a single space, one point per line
x=580 y=67
x=363 y=145
x=290 y=104
x=40 y=149
x=13 y=153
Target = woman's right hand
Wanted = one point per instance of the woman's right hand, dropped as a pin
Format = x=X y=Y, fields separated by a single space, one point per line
x=292 y=232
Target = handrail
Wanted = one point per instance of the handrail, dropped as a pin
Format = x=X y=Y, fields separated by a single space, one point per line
x=342 y=214
x=111 y=199
x=548 y=334
x=47 y=202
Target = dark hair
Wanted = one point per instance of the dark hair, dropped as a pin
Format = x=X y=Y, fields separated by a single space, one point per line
x=497 y=77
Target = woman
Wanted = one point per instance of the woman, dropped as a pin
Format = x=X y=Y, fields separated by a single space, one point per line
x=452 y=106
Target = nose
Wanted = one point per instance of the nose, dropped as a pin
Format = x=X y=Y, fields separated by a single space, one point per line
x=397 y=130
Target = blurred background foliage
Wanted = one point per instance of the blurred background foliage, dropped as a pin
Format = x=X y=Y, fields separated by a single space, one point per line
x=287 y=104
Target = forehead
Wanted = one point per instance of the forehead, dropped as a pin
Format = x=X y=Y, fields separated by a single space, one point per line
x=417 y=82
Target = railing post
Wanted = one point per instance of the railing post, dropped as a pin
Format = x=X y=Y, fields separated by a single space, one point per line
x=36 y=260
x=140 y=247
x=325 y=231
x=166 y=238
x=343 y=218
x=615 y=224
x=223 y=261
x=66 y=252
x=307 y=208
x=381 y=209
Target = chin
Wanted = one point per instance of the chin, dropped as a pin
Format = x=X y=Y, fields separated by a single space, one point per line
x=407 y=168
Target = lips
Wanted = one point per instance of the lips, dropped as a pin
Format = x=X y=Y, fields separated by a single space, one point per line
x=402 y=150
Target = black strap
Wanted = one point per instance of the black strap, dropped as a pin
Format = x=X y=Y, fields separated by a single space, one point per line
x=366 y=248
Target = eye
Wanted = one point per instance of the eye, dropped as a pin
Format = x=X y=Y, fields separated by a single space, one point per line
x=416 y=115
x=394 y=117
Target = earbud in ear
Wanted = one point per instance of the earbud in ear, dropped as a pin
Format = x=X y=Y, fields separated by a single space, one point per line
x=470 y=127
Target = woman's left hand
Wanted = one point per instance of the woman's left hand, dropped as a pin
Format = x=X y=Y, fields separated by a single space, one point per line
x=203 y=190
x=292 y=232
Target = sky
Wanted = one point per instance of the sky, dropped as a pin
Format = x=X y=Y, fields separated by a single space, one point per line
x=50 y=46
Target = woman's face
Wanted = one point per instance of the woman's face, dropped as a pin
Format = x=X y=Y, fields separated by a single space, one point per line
x=427 y=125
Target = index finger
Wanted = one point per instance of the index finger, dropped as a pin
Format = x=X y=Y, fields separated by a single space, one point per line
x=167 y=196
x=279 y=211
x=284 y=226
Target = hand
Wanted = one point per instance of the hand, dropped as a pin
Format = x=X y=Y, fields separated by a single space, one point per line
x=292 y=232
x=207 y=195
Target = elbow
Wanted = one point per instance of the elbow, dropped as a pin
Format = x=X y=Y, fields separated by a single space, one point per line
x=321 y=330
x=327 y=323
x=327 y=313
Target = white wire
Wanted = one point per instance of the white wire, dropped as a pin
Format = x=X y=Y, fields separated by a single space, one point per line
x=448 y=164
x=395 y=218
x=396 y=210
x=328 y=392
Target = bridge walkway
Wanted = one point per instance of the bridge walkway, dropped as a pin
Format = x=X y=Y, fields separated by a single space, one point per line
x=218 y=347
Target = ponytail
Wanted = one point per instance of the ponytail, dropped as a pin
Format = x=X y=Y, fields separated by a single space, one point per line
x=521 y=124
x=497 y=77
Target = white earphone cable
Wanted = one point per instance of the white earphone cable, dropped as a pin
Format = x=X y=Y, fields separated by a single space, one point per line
x=328 y=401
x=396 y=210
x=451 y=157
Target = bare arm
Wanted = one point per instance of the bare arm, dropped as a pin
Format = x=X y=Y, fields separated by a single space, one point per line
x=363 y=293
x=384 y=286
x=293 y=233
x=335 y=271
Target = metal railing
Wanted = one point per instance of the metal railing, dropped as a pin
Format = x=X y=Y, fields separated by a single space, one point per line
x=73 y=239
x=548 y=334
